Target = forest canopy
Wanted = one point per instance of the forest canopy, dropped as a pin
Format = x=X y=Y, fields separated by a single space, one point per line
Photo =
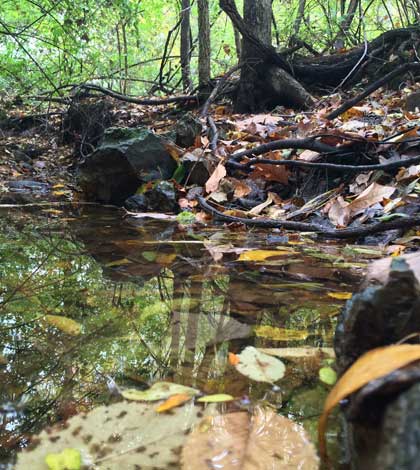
x=134 y=46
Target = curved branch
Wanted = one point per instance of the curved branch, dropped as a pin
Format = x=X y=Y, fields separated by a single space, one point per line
x=346 y=233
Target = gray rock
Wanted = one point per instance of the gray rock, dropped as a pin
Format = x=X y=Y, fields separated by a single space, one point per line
x=187 y=129
x=195 y=168
x=125 y=159
x=162 y=198
x=379 y=315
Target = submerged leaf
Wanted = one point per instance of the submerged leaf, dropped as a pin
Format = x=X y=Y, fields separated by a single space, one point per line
x=280 y=334
x=259 y=366
x=66 y=325
x=159 y=391
x=173 y=402
x=120 y=436
x=236 y=441
x=218 y=398
x=328 y=375
x=370 y=366
x=262 y=255
x=69 y=459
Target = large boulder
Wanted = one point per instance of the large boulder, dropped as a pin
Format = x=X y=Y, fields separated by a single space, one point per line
x=125 y=159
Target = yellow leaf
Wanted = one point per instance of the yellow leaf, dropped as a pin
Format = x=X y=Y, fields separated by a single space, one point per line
x=69 y=459
x=340 y=295
x=66 y=325
x=371 y=366
x=280 y=334
x=262 y=255
x=218 y=398
x=58 y=186
x=118 y=262
x=173 y=402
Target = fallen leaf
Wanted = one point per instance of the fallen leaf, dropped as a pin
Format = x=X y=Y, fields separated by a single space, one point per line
x=236 y=441
x=213 y=182
x=327 y=375
x=371 y=195
x=262 y=255
x=233 y=359
x=173 y=402
x=340 y=295
x=69 y=459
x=259 y=366
x=305 y=351
x=159 y=391
x=217 y=398
x=64 y=324
x=124 y=435
x=370 y=366
x=280 y=334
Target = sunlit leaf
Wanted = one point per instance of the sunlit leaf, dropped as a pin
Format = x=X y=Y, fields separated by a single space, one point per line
x=280 y=334
x=328 y=375
x=68 y=459
x=340 y=295
x=64 y=324
x=218 y=398
x=238 y=441
x=370 y=366
x=173 y=402
x=158 y=391
x=259 y=366
x=262 y=255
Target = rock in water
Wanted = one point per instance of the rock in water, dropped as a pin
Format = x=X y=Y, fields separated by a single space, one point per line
x=124 y=160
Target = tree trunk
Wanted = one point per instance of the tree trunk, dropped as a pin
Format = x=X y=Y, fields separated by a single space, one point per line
x=186 y=45
x=204 y=50
x=257 y=90
x=257 y=16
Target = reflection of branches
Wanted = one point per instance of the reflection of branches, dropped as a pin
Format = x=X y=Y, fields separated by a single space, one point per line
x=29 y=276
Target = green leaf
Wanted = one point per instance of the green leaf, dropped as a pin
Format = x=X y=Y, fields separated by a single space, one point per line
x=66 y=325
x=158 y=391
x=327 y=375
x=68 y=459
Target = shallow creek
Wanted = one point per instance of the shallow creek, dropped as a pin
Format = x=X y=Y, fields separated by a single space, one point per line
x=158 y=301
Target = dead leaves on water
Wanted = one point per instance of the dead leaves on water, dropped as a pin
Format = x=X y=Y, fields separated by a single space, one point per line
x=262 y=441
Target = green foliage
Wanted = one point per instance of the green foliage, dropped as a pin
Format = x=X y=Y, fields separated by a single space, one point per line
x=120 y=43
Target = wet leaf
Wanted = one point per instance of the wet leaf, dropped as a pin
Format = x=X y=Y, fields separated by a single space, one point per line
x=233 y=359
x=328 y=375
x=370 y=366
x=158 y=391
x=305 y=351
x=69 y=459
x=236 y=441
x=262 y=255
x=218 y=398
x=340 y=295
x=173 y=402
x=120 y=436
x=64 y=324
x=280 y=334
x=259 y=366
x=118 y=262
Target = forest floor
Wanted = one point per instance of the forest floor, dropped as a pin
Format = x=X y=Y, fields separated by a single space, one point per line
x=370 y=176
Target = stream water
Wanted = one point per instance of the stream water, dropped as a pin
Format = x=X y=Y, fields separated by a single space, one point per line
x=155 y=300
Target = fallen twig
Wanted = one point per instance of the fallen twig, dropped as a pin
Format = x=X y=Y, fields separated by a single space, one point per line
x=354 y=232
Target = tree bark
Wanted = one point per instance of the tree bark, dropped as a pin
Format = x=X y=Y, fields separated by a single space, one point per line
x=257 y=16
x=186 y=45
x=204 y=64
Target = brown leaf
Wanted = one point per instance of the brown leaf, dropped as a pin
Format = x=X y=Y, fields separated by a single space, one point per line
x=213 y=182
x=235 y=441
x=278 y=173
x=371 y=195
x=370 y=366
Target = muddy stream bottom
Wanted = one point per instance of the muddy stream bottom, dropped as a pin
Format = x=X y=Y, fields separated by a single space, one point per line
x=144 y=300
